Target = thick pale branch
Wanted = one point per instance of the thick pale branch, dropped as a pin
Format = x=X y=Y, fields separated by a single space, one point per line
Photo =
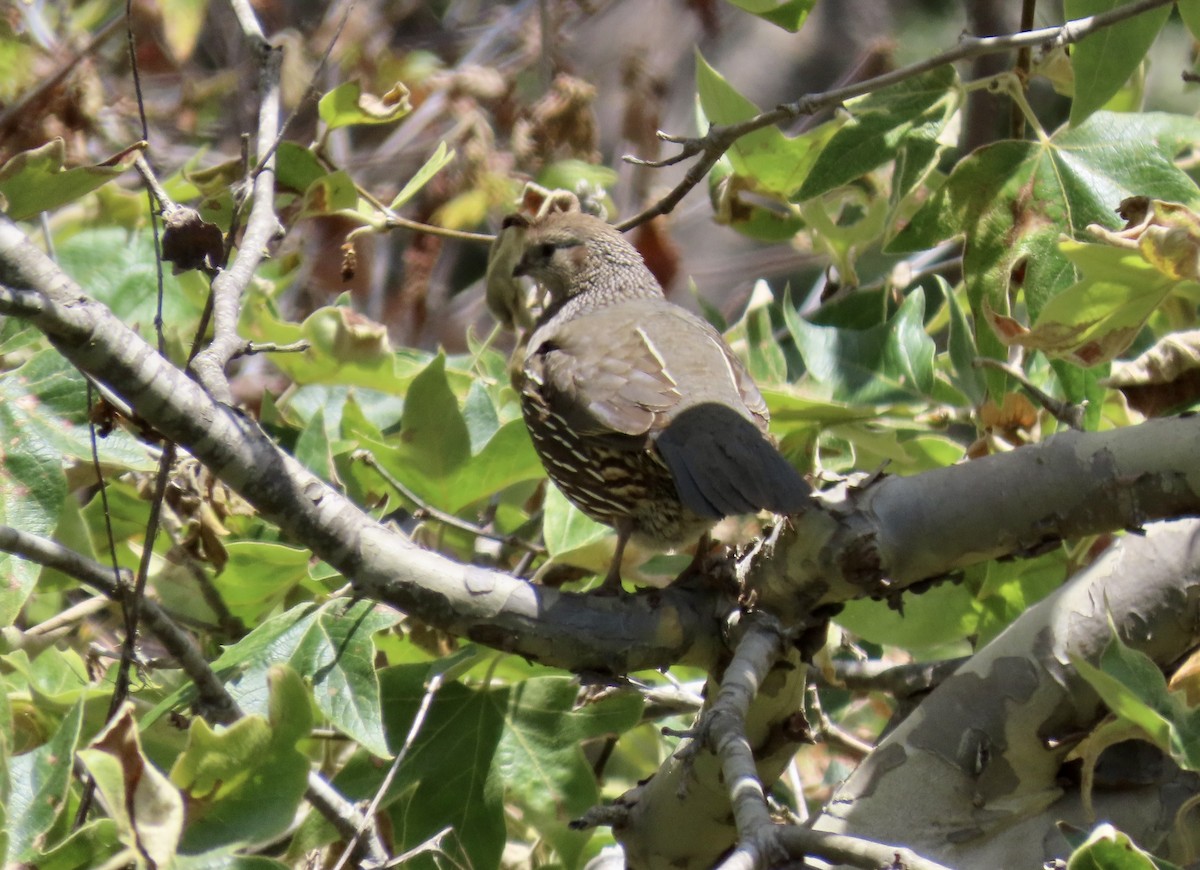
x=719 y=139
x=900 y=531
x=985 y=748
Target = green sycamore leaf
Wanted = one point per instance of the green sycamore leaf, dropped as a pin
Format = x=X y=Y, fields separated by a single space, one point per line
x=545 y=771
x=1104 y=61
x=258 y=577
x=82 y=847
x=1013 y=201
x=890 y=362
x=344 y=348
x=313 y=449
x=774 y=164
x=1133 y=688
x=43 y=430
x=244 y=782
x=296 y=167
x=962 y=351
x=453 y=457
x=788 y=14
x=332 y=645
x=119 y=269
x=349 y=104
x=478 y=749
x=334 y=193
x=38 y=783
x=35 y=181
x=942 y=615
x=571 y=536
x=912 y=113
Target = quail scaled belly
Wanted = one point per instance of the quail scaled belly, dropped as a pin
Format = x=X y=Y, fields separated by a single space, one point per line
x=638 y=409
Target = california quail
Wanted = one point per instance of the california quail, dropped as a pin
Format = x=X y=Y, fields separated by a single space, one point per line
x=639 y=410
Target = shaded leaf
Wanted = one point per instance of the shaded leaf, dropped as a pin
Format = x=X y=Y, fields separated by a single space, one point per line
x=880 y=125
x=1103 y=61
x=38 y=782
x=891 y=362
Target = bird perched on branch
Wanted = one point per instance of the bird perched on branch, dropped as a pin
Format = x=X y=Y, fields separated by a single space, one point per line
x=639 y=410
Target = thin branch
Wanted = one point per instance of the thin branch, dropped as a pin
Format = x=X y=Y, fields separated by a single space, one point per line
x=345 y=818
x=428 y=510
x=900 y=681
x=724 y=726
x=261 y=227
x=831 y=733
x=1022 y=67
x=215 y=700
x=854 y=851
x=431 y=689
x=710 y=147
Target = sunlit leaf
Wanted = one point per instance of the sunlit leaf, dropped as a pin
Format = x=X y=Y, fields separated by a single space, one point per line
x=37 y=180
x=349 y=104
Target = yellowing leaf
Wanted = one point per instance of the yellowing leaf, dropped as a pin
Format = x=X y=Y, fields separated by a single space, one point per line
x=148 y=810
x=349 y=104
x=1096 y=318
x=1167 y=234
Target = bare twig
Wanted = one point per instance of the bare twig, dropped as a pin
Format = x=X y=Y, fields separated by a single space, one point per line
x=1022 y=67
x=901 y=681
x=216 y=701
x=253 y=347
x=831 y=733
x=709 y=147
x=441 y=516
x=1067 y=413
x=431 y=689
x=345 y=818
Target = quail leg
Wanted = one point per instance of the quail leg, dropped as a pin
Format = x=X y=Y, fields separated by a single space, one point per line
x=612 y=580
x=695 y=568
